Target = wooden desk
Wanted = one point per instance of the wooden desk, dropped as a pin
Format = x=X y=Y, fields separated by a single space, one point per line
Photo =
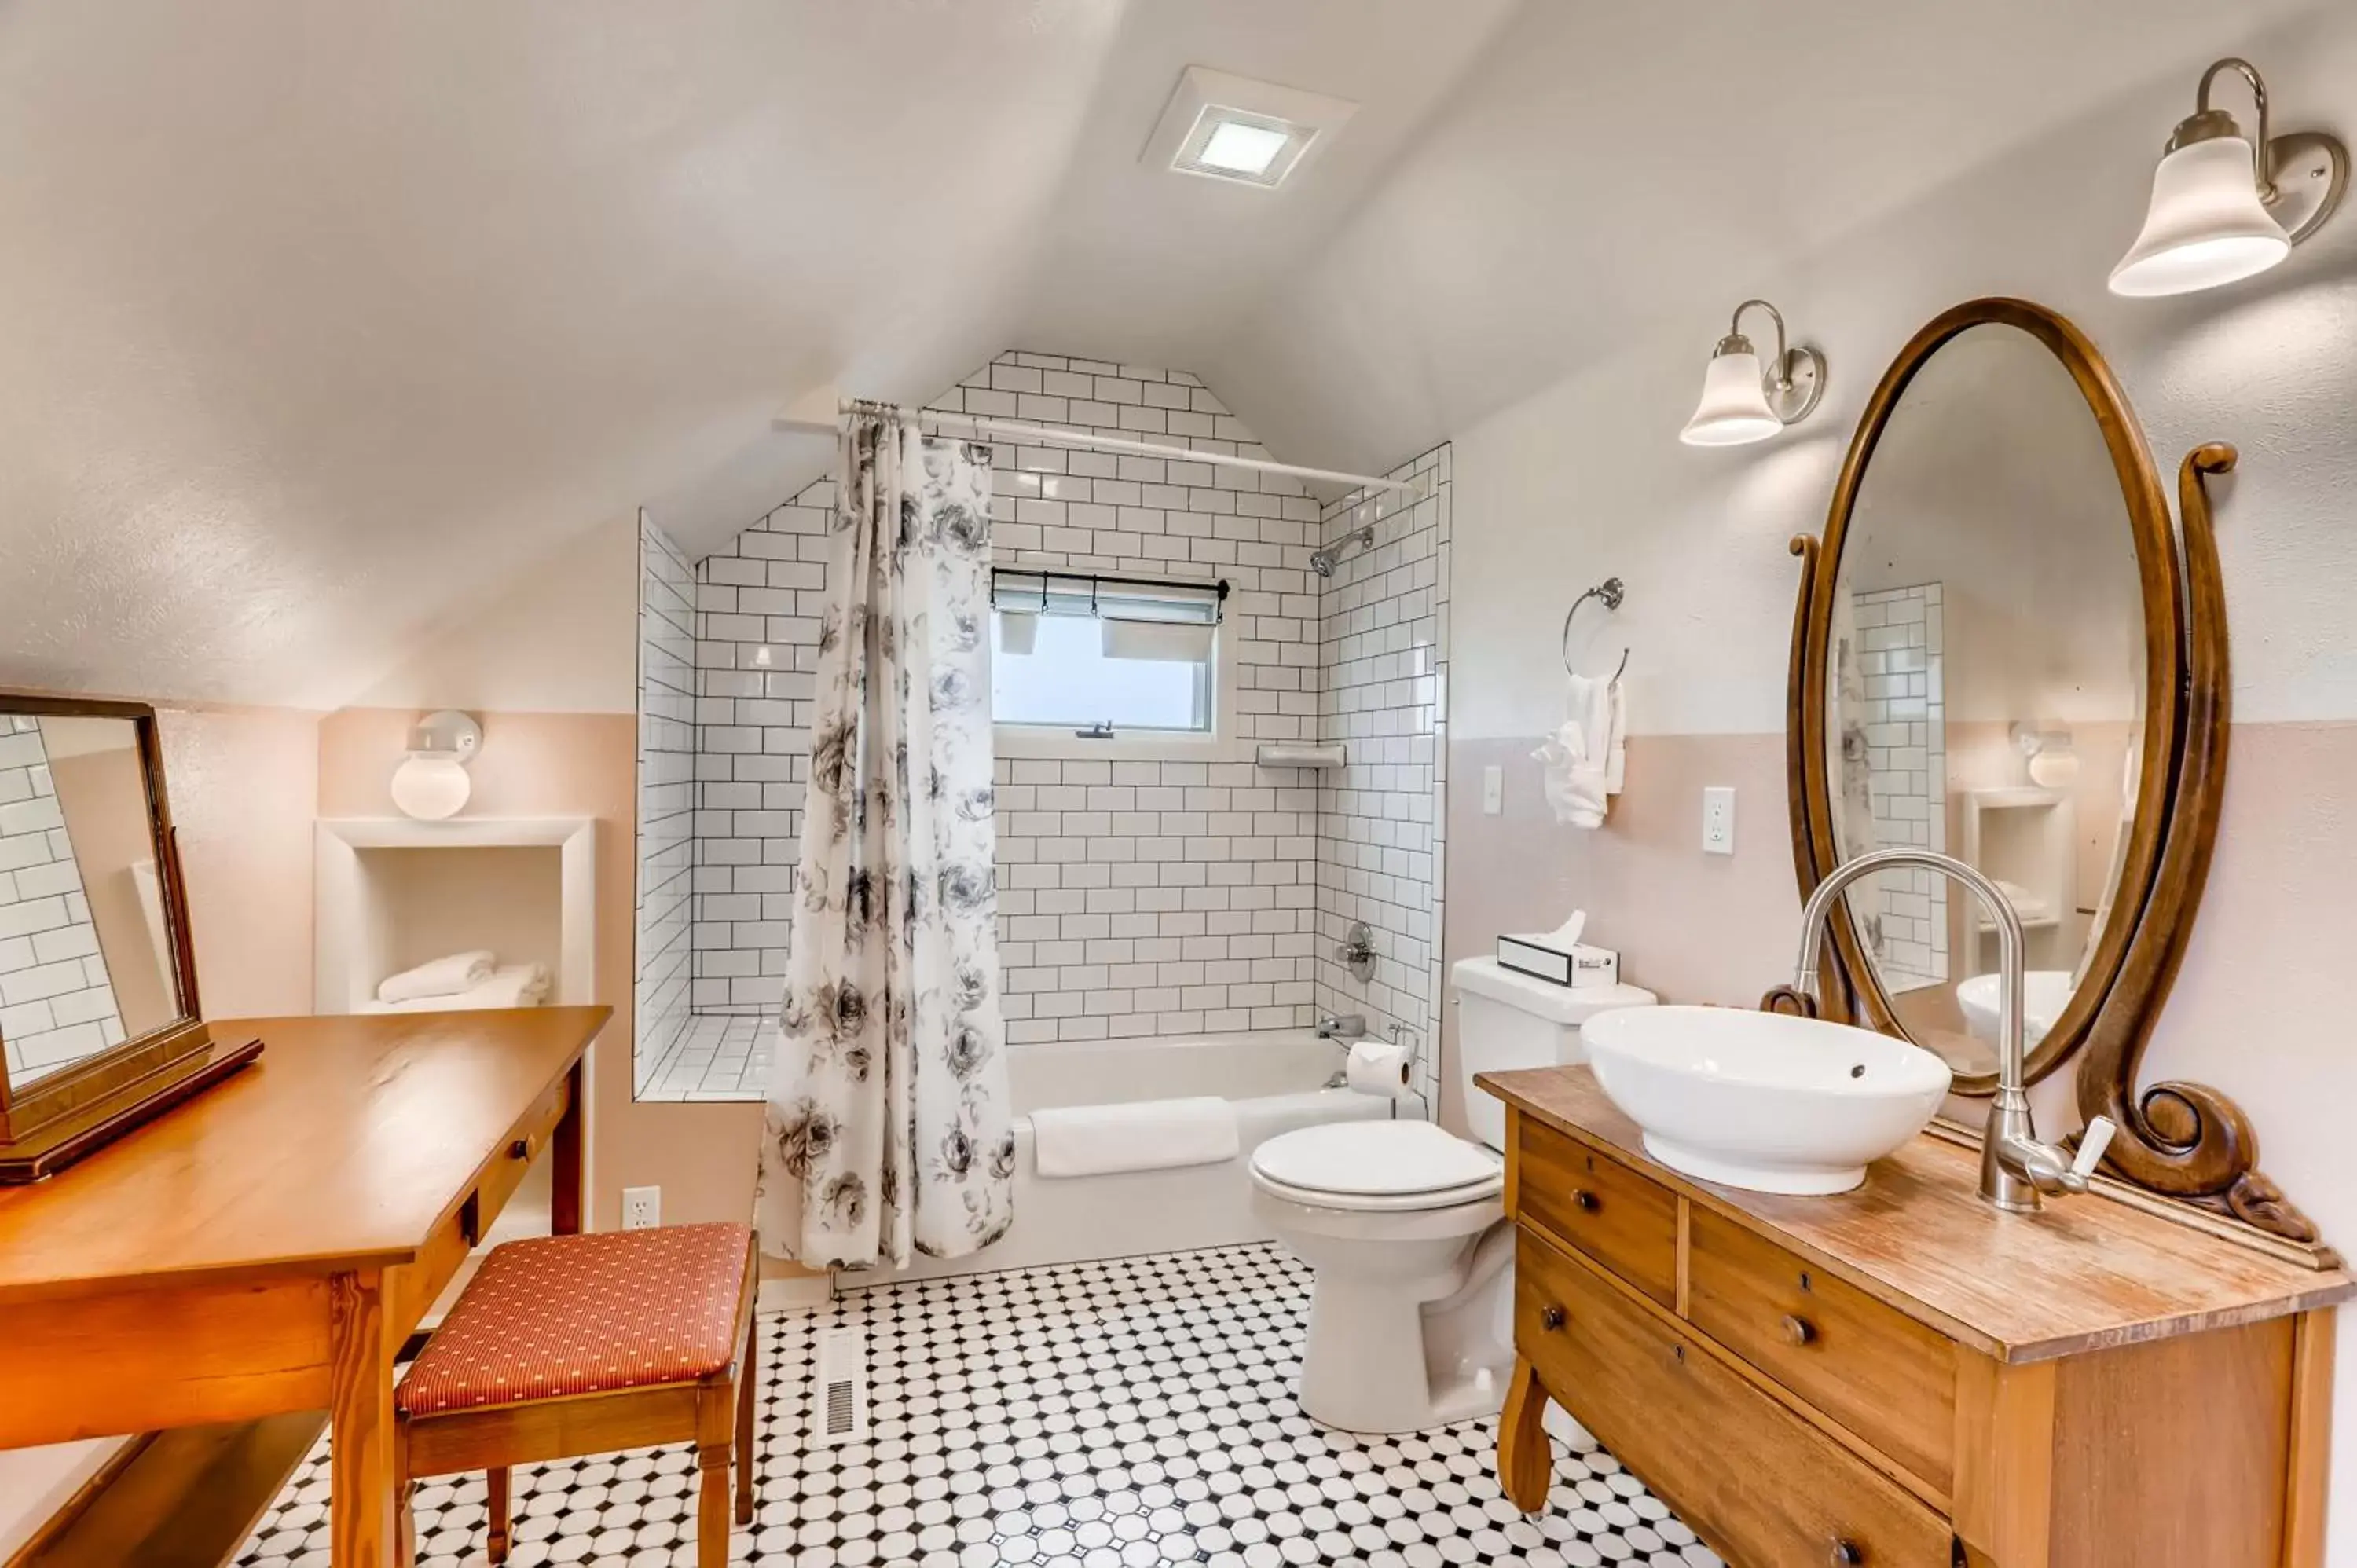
x=267 y=1246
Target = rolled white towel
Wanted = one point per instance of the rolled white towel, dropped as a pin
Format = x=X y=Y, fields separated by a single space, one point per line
x=449 y=976
x=516 y=986
x=1141 y=1136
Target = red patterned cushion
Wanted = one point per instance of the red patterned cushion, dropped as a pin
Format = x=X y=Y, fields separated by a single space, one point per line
x=561 y=1316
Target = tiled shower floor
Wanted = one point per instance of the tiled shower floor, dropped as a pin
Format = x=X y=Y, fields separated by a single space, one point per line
x=1120 y=1414
x=714 y=1057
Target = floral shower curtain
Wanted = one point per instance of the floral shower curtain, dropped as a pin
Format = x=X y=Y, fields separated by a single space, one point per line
x=888 y=1132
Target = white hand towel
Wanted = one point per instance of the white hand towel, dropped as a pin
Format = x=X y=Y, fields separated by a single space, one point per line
x=1144 y=1136
x=443 y=977
x=1577 y=758
x=517 y=986
x=1616 y=754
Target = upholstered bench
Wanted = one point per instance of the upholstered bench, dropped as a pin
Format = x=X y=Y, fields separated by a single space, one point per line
x=571 y=1345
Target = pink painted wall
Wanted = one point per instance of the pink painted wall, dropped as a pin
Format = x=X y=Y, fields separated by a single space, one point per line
x=1693 y=928
x=245 y=787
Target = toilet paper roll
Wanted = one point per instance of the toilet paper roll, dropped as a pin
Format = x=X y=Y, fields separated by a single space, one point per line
x=1380 y=1066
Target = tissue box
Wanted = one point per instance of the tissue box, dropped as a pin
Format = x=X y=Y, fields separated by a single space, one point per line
x=1578 y=966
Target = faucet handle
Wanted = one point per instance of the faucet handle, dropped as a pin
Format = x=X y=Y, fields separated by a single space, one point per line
x=2092 y=1144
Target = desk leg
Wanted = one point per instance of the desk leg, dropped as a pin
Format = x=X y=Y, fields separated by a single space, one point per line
x=565 y=1214
x=360 y=1413
x=1525 y=1462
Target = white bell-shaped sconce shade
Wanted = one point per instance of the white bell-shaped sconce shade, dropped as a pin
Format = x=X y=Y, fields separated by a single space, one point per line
x=2206 y=225
x=431 y=788
x=1734 y=408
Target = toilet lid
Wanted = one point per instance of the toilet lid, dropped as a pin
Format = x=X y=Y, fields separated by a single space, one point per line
x=1374 y=1159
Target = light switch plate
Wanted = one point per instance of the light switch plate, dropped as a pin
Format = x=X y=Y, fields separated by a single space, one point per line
x=1718 y=820
x=642 y=1207
x=1493 y=790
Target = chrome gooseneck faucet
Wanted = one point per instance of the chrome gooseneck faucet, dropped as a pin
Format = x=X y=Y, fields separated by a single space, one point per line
x=2015 y=1169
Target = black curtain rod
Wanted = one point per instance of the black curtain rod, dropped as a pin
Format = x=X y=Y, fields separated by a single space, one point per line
x=1219 y=590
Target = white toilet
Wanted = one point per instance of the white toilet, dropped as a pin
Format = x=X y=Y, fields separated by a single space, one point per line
x=1411 y=1318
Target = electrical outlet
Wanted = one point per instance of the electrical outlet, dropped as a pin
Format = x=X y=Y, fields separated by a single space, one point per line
x=1718 y=821
x=642 y=1207
x=1493 y=790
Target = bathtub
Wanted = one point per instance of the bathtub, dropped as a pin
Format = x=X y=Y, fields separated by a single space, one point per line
x=1276 y=1078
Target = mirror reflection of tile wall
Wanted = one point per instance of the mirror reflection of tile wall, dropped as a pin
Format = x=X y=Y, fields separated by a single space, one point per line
x=56 y=1004
x=1901 y=654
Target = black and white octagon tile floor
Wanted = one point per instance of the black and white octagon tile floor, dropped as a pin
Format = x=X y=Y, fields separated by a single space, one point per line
x=1128 y=1414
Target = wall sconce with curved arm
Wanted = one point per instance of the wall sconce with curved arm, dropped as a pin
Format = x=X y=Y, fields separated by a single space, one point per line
x=2217 y=214
x=1744 y=402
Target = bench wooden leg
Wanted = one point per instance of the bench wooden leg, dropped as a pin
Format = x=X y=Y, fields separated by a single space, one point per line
x=712 y=1507
x=749 y=1400
x=495 y=1491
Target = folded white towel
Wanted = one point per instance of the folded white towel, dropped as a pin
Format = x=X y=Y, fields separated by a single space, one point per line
x=442 y=977
x=1580 y=759
x=1144 y=1136
x=517 y=986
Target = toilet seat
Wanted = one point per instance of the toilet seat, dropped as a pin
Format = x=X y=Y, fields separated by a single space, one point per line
x=1376 y=1167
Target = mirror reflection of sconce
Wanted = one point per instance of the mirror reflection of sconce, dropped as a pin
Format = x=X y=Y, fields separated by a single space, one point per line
x=1744 y=402
x=432 y=782
x=2050 y=755
x=2217 y=216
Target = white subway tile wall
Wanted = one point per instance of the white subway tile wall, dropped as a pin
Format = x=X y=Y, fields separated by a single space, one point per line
x=1383 y=648
x=667 y=740
x=1136 y=897
x=56 y=1004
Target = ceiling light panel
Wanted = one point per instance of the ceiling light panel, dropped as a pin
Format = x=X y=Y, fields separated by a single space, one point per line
x=1233 y=128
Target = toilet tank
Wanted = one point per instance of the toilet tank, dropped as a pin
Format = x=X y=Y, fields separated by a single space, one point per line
x=1506 y=1020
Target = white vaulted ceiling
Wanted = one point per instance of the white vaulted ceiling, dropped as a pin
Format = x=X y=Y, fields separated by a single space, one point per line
x=320 y=324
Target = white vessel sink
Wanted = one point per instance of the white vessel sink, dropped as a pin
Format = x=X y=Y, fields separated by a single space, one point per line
x=2045 y=992
x=1762 y=1101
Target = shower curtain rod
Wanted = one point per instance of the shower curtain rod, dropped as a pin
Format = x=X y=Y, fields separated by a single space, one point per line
x=1048 y=436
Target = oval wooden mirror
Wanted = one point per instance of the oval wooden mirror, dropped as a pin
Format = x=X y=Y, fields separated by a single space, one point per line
x=2002 y=653
x=1993 y=654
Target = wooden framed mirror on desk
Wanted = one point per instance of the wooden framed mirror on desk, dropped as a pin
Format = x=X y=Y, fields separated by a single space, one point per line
x=100 y=1023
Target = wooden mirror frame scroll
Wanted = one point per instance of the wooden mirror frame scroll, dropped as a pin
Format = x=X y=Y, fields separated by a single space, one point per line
x=67 y=1113
x=2184 y=1141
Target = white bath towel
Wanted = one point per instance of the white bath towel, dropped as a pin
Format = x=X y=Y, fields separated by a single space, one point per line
x=449 y=976
x=517 y=986
x=1581 y=761
x=1143 y=1135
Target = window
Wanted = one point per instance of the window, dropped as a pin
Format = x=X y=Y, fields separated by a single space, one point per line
x=1102 y=654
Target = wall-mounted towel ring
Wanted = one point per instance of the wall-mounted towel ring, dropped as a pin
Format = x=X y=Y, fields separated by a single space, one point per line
x=1611 y=593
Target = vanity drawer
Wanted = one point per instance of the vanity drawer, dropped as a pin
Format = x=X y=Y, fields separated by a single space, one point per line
x=1625 y=1221
x=1763 y=1488
x=1871 y=1368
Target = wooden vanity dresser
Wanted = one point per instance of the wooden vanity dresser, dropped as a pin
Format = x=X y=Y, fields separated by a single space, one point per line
x=1900 y=1377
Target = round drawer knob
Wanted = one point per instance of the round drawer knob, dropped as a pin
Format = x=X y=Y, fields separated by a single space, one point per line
x=1846 y=1554
x=521 y=1149
x=1551 y=1319
x=1801 y=1331
x=1585 y=1200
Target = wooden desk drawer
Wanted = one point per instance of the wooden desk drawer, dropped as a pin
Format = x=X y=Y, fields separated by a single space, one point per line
x=1626 y=1221
x=419 y=1285
x=527 y=1141
x=1761 y=1485
x=1871 y=1368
